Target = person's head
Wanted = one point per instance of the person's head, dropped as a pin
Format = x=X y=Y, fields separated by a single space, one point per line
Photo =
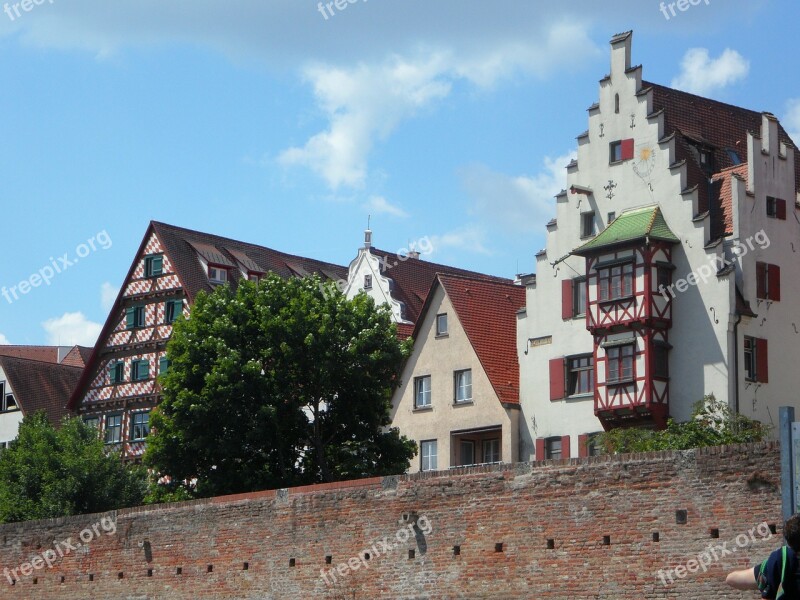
x=791 y=531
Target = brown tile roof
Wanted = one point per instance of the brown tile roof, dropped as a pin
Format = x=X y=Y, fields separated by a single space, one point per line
x=41 y=353
x=487 y=309
x=183 y=245
x=413 y=278
x=41 y=385
x=722 y=192
x=722 y=127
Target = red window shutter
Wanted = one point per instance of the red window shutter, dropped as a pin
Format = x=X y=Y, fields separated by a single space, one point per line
x=780 y=205
x=557 y=387
x=774 y=280
x=762 y=361
x=565 y=446
x=761 y=280
x=627 y=149
x=566 y=299
x=583 y=445
x=539 y=448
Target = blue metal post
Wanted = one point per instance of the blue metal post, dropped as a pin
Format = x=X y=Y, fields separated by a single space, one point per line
x=786 y=414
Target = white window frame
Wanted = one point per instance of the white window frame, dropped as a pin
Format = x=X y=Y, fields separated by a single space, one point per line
x=134 y=425
x=441 y=318
x=428 y=455
x=492 y=451
x=462 y=381
x=421 y=392
x=221 y=274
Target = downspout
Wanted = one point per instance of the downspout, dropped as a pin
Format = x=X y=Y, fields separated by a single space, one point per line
x=736 y=362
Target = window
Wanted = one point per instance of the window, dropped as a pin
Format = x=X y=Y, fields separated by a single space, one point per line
x=92 y=422
x=140 y=426
x=9 y=403
x=172 y=310
x=367 y=282
x=217 y=274
x=611 y=216
x=491 y=451
x=616 y=104
x=756 y=364
x=113 y=429
x=578 y=297
x=134 y=317
x=615 y=282
x=620 y=150
x=163 y=365
x=140 y=369
x=593 y=447
x=428 y=458
x=768 y=282
x=441 y=324
x=552 y=448
x=116 y=372
x=587 y=224
x=581 y=375
x=663 y=278
x=253 y=276
x=153 y=265
x=422 y=392
x=619 y=364
x=660 y=361
x=467 y=448
x=463 y=385
x=776 y=208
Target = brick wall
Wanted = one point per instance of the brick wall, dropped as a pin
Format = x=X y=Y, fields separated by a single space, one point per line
x=581 y=528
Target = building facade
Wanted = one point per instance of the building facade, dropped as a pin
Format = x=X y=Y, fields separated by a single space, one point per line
x=119 y=386
x=458 y=397
x=667 y=269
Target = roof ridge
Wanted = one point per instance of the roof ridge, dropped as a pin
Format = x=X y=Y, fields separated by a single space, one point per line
x=652 y=222
x=5 y=357
x=504 y=281
x=705 y=98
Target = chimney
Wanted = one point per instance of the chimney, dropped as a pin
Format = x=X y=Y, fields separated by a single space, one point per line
x=413 y=254
x=367 y=238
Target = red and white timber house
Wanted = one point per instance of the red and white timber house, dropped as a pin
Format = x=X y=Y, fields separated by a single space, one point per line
x=666 y=271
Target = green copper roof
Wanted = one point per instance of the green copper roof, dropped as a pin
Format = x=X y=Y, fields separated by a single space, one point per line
x=630 y=226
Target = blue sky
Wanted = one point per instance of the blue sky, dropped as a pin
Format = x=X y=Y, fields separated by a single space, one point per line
x=265 y=121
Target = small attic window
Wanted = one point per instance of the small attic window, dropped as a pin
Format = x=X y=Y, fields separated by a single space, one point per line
x=217 y=274
x=733 y=156
x=153 y=265
x=367 y=282
x=441 y=324
x=616 y=103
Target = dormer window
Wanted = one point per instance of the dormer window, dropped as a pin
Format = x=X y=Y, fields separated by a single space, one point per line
x=253 y=276
x=217 y=274
x=153 y=265
x=367 y=282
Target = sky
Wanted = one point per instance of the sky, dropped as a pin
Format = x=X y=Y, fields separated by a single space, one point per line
x=289 y=123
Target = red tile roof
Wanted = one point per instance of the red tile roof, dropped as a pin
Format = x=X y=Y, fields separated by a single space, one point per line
x=413 y=278
x=41 y=353
x=721 y=127
x=487 y=310
x=41 y=385
x=722 y=190
x=77 y=357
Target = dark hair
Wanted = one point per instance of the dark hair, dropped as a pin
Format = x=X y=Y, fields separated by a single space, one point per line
x=791 y=532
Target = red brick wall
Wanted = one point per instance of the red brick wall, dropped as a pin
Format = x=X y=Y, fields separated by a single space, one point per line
x=574 y=503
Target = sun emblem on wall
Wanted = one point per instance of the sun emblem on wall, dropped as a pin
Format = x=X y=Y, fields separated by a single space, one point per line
x=644 y=164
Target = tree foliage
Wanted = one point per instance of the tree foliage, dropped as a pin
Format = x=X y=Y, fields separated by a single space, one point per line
x=713 y=423
x=48 y=472
x=280 y=382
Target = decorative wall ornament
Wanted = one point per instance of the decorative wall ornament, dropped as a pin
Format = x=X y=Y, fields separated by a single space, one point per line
x=633 y=121
x=602 y=132
x=644 y=164
x=713 y=312
x=610 y=188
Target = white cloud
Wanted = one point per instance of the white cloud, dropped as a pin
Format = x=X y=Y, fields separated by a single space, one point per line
x=108 y=295
x=365 y=104
x=70 y=329
x=378 y=205
x=521 y=202
x=792 y=120
x=702 y=75
x=470 y=238
x=4 y=340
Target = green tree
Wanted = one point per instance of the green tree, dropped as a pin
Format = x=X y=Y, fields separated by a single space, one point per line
x=713 y=423
x=52 y=472
x=281 y=382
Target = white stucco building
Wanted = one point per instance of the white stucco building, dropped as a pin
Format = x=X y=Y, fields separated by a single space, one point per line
x=669 y=270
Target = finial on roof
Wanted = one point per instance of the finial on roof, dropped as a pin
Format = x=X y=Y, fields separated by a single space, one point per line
x=368 y=234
